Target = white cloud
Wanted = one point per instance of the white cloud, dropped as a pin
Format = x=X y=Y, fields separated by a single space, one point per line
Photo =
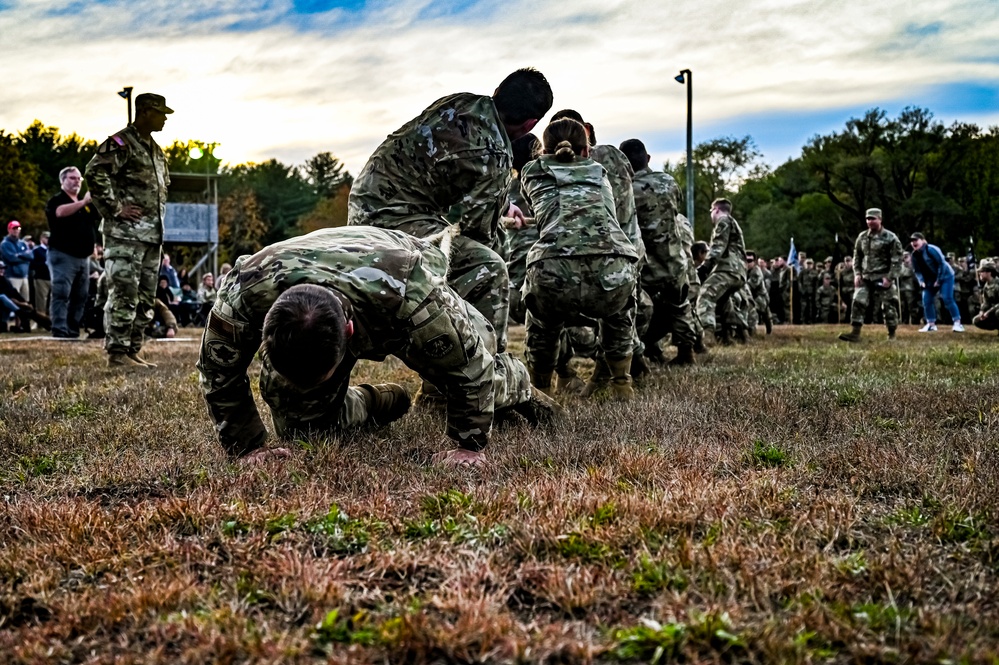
x=347 y=80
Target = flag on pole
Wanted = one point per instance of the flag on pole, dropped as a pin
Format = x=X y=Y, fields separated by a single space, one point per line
x=972 y=261
x=792 y=256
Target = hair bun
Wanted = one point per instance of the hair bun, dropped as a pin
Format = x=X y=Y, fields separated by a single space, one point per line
x=564 y=152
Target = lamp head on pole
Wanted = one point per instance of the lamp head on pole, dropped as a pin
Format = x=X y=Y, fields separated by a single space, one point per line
x=680 y=78
x=125 y=92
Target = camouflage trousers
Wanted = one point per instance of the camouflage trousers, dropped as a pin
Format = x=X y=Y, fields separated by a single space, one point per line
x=716 y=291
x=872 y=295
x=132 y=271
x=335 y=406
x=558 y=291
x=519 y=242
x=671 y=315
x=987 y=322
x=735 y=312
x=910 y=307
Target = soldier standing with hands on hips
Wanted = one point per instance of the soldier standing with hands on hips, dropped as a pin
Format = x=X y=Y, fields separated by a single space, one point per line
x=128 y=182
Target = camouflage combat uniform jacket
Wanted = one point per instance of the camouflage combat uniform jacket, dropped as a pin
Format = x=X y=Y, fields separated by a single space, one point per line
x=586 y=225
x=666 y=262
x=727 y=253
x=387 y=279
x=620 y=175
x=451 y=164
x=877 y=256
x=127 y=170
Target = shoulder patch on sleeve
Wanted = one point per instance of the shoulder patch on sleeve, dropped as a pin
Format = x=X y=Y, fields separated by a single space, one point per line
x=112 y=143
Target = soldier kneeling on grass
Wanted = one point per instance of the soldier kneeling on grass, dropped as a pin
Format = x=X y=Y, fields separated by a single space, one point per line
x=317 y=304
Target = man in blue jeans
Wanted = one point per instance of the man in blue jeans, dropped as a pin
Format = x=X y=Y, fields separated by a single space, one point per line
x=935 y=276
x=73 y=223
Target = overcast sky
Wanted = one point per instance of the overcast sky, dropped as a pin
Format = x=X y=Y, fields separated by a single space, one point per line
x=291 y=78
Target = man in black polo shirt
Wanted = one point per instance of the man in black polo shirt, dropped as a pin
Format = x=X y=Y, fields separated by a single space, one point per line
x=73 y=223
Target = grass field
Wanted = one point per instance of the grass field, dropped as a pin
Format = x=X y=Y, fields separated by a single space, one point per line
x=796 y=500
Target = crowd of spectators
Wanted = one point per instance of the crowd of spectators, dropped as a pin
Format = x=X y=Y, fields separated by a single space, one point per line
x=36 y=289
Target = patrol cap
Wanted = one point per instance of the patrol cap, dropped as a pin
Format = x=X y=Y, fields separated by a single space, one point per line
x=13 y=224
x=917 y=236
x=951 y=255
x=148 y=100
x=828 y=259
x=874 y=212
x=989 y=268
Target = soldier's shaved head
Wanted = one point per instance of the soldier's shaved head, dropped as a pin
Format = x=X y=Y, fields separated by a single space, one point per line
x=523 y=95
x=636 y=153
x=305 y=334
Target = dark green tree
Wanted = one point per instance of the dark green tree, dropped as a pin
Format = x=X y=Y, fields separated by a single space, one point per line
x=327 y=175
x=19 y=195
x=51 y=152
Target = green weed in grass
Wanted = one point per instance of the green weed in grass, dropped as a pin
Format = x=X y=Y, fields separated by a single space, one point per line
x=651 y=576
x=768 y=455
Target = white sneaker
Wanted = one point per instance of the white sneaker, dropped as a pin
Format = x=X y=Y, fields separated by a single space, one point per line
x=958 y=327
x=929 y=327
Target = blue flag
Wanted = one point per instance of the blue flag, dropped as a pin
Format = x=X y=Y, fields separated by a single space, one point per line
x=792 y=256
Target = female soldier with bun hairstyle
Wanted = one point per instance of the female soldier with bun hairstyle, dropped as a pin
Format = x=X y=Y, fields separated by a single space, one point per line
x=583 y=265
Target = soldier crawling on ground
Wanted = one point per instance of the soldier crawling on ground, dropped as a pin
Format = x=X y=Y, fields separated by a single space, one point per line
x=316 y=304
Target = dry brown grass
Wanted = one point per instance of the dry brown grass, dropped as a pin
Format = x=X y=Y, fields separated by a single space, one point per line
x=797 y=500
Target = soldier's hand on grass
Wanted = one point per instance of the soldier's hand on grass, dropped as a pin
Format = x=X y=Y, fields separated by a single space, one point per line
x=130 y=212
x=460 y=457
x=264 y=455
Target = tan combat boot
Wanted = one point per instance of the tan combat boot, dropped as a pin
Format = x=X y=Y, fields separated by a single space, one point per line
x=639 y=368
x=621 y=382
x=600 y=378
x=854 y=335
x=122 y=360
x=386 y=402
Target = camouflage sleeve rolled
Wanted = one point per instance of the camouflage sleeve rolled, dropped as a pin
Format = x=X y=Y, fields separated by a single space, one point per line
x=227 y=349
x=100 y=174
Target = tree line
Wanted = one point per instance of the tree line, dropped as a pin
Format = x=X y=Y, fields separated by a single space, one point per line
x=925 y=176
x=259 y=203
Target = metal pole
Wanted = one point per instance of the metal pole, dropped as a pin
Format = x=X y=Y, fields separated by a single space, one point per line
x=126 y=94
x=690 y=147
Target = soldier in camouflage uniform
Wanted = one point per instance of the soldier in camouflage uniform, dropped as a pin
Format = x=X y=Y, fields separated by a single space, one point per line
x=808 y=284
x=453 y=165
x=988 y=314
x=128 y=181
x=846 y=287
x=583 y=264
x=826 y=304
x=620 y=174
x=908 y=292
x=667 y=267
x=316 y=304
x=968 y=280
x=726 y=262
x=757 y=284
x=877 y=259
x=520 y=240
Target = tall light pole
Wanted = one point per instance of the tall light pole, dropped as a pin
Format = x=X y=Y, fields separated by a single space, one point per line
x=680 y=78
x=126 y=94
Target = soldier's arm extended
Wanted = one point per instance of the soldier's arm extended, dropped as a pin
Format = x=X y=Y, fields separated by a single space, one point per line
x=858 y=256
x=446 y=349
x=227 y=349
x=110 y=158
